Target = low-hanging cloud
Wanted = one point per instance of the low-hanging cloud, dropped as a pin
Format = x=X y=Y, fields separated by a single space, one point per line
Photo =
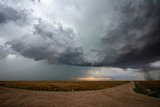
x=49 y=41
x=110 y=33
x=134 y=36
x=151 y=71
x=112 y=73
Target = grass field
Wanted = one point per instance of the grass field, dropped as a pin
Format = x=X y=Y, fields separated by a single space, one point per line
x=61 y=85
x=150 y=88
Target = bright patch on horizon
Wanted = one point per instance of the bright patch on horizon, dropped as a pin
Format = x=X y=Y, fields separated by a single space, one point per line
x=93 y=79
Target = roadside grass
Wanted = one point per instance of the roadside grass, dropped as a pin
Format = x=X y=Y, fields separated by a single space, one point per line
x=66 y=86
x=150 y=88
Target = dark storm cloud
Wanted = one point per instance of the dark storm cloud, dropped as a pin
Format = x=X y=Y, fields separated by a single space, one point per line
x=10 y=14
x=135 y=38
x=151 y=71
x=118 y=33
x=123 y=33
x=51 y=42
x=151 y=74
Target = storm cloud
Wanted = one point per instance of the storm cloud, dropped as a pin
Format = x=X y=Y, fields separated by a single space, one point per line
x=151 y=71
x=88 y=33
x=51 y=42
x=133 y=39
x=8 y=13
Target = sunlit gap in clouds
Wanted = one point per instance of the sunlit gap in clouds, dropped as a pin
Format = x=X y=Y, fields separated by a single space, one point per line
x=57 y=39
x=13 y=68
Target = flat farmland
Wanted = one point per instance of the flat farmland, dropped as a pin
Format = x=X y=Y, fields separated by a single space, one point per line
x=62 y=85
x=75 y=94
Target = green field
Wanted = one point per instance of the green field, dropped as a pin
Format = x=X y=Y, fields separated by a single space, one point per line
x=150 y=88
x=61 y=85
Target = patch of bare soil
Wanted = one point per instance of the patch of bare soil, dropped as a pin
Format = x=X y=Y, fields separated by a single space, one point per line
x=119 y=96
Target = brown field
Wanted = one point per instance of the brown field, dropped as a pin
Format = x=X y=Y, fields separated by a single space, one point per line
x=117 y=94
x=149 y=84
x=61 y=85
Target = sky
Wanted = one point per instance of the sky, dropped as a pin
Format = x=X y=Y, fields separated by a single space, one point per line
x=80 y=40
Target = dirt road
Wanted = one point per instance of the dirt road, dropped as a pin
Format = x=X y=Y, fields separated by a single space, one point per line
x=119 y=96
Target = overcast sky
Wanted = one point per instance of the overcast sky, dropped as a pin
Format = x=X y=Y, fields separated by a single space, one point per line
x=79 y=39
